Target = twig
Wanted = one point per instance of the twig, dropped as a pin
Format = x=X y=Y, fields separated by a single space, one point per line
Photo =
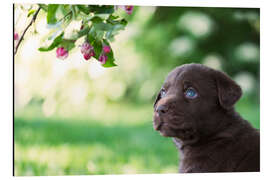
x=21 y=38
x=69 y=13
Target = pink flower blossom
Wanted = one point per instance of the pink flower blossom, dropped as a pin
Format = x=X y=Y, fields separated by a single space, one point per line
x=129 y=9
x=61 y=53
x=86 y=48
x=106 y=49
x=16 y=36
x=92 y=53
x=103 y=58
x=87 y=56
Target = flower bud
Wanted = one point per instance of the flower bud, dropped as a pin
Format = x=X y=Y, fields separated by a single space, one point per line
x=129 y=9
x=103 y=58
x=86 y=48
x=61 y=53
x=92 y=53
x=87 y=56
x=106 y=49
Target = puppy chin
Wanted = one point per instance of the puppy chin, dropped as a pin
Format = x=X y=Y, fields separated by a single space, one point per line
x=161 y=127
x=162 y=133
x=166 y=131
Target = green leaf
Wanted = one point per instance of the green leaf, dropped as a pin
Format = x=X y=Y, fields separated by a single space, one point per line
x=55 y=43
x=117 y=24
x=44 y=7
x=97 y=48
x=114 y=31
x=102 y=26
x=84 y=9
x=102 y=16
x=123 y=22
x=55 y=34
x=96 y=19
x=101 y=9
x=98 y=51
x=110 y=60
x=30 y=12
x=73 y=10
x=81 y=33
x=115 y=20
x=91 y=35
x=51 y=15
x=109 y=64
x=68 y=44
x=65 y=9
x=95 y=34
x=112 y=17
x=99 y=35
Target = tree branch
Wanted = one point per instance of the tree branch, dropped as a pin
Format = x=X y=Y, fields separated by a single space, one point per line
x=69 y=13
x=21 y=38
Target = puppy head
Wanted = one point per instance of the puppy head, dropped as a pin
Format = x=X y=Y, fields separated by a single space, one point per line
x=191 y=99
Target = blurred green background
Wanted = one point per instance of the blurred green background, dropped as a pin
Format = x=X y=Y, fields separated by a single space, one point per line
x=75 y=117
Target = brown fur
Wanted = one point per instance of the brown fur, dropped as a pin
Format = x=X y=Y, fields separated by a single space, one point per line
x=210 y=135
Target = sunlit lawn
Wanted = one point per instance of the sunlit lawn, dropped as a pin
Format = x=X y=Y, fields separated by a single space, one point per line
x=63 y=146
x=49 y=146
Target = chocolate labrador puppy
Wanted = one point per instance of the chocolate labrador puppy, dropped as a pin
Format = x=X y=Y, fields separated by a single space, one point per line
x=196 y=107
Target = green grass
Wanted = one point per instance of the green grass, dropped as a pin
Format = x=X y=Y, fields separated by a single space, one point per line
x=48 y=146
x=122 y=141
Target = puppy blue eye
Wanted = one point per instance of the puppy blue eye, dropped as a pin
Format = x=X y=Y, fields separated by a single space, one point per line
x=162 y=93
x=191 y=93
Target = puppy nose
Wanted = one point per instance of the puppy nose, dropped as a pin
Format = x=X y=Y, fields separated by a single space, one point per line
x=161 y=109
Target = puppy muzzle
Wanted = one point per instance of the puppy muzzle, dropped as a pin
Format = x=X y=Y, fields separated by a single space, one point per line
x=157 y=121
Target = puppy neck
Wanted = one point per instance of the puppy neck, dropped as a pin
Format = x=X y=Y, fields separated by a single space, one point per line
x=228 y=125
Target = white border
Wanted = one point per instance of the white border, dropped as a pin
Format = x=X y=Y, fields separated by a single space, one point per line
x=6 y=86
x=206 y=3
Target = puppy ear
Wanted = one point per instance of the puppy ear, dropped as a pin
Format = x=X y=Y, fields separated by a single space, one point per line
x=228 y=91
x=157 y=99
